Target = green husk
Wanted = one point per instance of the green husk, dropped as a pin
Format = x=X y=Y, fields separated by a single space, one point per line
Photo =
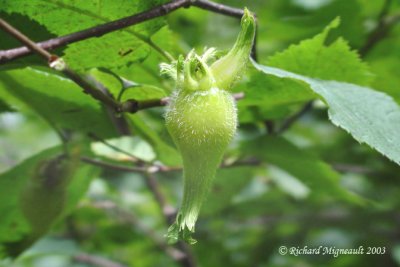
x=202 y=121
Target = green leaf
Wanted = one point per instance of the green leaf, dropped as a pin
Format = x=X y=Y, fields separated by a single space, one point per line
x=273 y=97
x=284 y=22
x=143 y=92
x=148 y=71
x=57 y=99
x=369 y=116
x=314 y=173
x=316 y=57
x=108 y=80
x=125 y=89
x=16 y=233
x=67 y=16
x=108 y=51
x=320 y=58
x=50 y=246
x=27 y=26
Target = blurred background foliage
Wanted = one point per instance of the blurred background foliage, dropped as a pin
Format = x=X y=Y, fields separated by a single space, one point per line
x=309 y=184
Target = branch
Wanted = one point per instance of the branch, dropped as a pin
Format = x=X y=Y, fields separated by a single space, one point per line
x=292 y=119
x=56 y=63
x=151 y=169
x=25 y=40
x=111 y=166
x=379 y=33
x=167 y=210
x=270 y=125
x=41 y=48
x=97 y=31
x=184 y=257
x=119 y=122
x=228 y=11
x=343 y=167
x=133 y=106
x=132 y=157
x=96 y=260
x=218 y=8
x=385 y=24
x=224 y=165
x=169 y=214
x=100 y=30
x=130 y=218
x=92 y=91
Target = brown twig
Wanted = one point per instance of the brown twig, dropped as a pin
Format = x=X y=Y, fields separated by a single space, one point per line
x=167 y=210
x=129 y=217
x=270 y=125
x=169 y=213
x=25 y=40
x=344 y=167
x=218 y=8
x=111 y=166
x=384 y=25
x=183 y=255
x=382 y=29
x=185 y=258
x=56 y=63
x=131 y=105
x=132 y=157
x=118 y=121
x=292 y=119
x=151 y=169
x=96 y=260
x=92 y=91
x=97 y=31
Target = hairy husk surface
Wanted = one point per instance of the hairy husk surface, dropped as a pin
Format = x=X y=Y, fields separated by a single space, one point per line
x=202 y=120
x=202 y=124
